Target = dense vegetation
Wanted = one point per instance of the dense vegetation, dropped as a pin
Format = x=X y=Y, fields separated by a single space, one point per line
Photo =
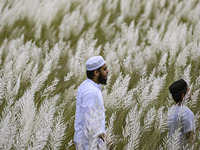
x=147 y=44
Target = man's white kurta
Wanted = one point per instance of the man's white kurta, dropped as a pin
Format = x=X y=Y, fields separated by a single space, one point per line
x=90 y=114
x=182 y=118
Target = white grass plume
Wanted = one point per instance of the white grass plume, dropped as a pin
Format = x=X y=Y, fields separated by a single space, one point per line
x=162 y=64
x=111 y=5
x=58 y=132
x=163 y=33
x=173 y=39
x=50 y=88
x=150 y=88
x=93 y=127
x=110 y=127
x=2 y=90
x=149 y=119
x=12 y=87
x=69 y=26
x=119 y=92
x=8 y=126
x=37 y=80
x=126 y=6
x=181 y=60
x=157 y=86
x=108 y=29
x=76 y=63
x=53 y=56
x=112 y=59
x=26 y=116
x=132 y=129
x=194 y=98
x=174 y=140
x=186 y=74
x=197 y=117
x=161 y=120
x=92 y=10
x=43 y=123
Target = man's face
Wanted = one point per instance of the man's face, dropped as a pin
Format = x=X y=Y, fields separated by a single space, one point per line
x=103 y=73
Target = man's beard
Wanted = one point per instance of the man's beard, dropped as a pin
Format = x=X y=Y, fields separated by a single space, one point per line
x=102 y=79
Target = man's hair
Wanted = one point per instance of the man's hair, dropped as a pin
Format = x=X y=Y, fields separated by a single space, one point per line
x=90 y=74
x=178 y=88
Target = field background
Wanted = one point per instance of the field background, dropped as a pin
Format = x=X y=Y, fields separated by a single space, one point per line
x=147 y=44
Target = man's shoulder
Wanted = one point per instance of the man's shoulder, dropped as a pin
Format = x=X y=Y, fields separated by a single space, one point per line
x=86 y=87
x=86 y=90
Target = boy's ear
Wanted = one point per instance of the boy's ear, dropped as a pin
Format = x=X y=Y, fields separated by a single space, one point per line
x=182 y=95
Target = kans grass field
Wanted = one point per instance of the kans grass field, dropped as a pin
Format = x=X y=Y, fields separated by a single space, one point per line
x=147 y=45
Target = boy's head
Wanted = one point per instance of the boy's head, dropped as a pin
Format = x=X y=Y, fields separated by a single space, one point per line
x=177 y=89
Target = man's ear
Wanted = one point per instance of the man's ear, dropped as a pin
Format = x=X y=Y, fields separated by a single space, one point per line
x=96 y=72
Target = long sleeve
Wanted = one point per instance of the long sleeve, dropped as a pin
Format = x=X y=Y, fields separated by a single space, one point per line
x=92 y=113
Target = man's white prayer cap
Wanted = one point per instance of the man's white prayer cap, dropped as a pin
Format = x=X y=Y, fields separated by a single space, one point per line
x=94 y=63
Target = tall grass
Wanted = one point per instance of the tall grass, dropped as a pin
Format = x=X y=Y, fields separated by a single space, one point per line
x=147 y=44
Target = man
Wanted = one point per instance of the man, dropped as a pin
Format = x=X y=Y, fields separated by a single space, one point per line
x=90 y=114
x=181 y=119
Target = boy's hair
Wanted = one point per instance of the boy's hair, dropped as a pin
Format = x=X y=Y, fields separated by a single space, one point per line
x=177 y=88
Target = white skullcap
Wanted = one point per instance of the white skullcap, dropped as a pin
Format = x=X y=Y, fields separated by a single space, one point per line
x=94 y=63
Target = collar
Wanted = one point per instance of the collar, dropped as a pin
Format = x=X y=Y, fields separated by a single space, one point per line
x=95 y=84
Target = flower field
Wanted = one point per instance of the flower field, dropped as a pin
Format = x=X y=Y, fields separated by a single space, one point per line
x=147 y=44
